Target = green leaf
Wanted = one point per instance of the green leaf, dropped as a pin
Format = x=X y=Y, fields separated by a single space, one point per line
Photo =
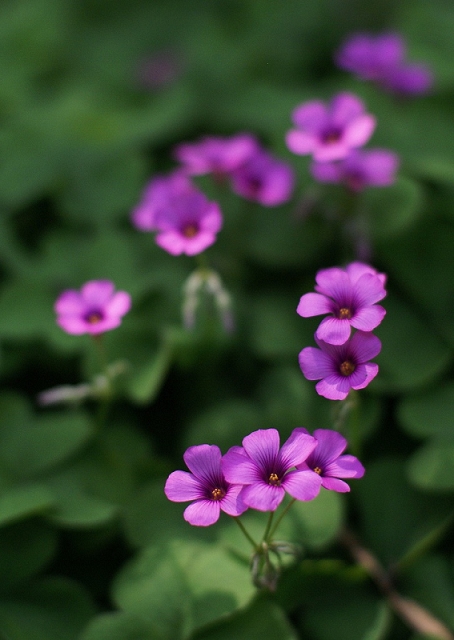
x=432 y=466
x=146 y=381
x=120 y=626
x=49 y=609
x=24 y=501
x=430 y=413
x=182 y=586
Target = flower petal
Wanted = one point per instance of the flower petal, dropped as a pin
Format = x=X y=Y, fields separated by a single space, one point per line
x=238 y=468
x=364 y=346
x=310 y=115
x=182 y=486
x=302 y=485
x=334 y=484
x=262 y=446
x=330 y=445
x=334 y=387
x=262 y=496
x=367 y=318
x=300 y=142
x=202 y=513
x=359 y=131
x=232 y=503
x=97 y=292
x=346 y=466
x=314 y=304
x=297 y=448
x=204 y=460
x=118 y=305
x=334 y=330
x=363 y=374
x=315 y=364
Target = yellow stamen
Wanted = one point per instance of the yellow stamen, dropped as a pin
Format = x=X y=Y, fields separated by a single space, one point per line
x=217 y=494
x=274 y=479
x=347 y=368
x=344 y=312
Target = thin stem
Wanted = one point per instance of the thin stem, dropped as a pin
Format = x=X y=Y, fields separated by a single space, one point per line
x=268 y=527
x=245 y=531
x=279 y=520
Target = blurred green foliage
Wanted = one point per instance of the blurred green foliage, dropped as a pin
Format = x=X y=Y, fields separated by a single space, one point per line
x=94 y=95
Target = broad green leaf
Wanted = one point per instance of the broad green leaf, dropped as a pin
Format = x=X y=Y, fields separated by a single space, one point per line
x=120 y=626
x=23 y=501
x=182 y=586
x=431 y=467
x=430 y=413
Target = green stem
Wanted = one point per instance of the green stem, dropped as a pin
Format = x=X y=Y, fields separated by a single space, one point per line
x=268 y=527
x=279 y=520
x=245 y=531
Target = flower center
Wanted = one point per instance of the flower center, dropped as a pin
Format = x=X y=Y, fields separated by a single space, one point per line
x=217 y=494
x=344 y=313
x=274 y=479
x=190 y=230
x=94 y=317
x=347 y=368
x=318 y=470
x=330 y=136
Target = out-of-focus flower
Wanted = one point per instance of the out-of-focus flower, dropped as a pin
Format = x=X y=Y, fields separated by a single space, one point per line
x=341 y=367
x=326 y=460
x=184 y=219
x=96 y=308
x=360 y=169
x=329 y=132
x=214 y=154
x=267 y=471
x=349 y=296
x=381 y=58
x=206 y=487
x=206 y=280
x=264 y=179
x=160 y=70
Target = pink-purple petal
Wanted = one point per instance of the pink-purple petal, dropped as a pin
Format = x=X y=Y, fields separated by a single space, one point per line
x=363 y=374
x=119 y=304
x=330 y=445
x=262 y=496
x=97 y=292
x=359 y=132
x=238 y=468
x=204 y=460
x=302 y=485
x=368 y=289
x=315 y=364
x=333 y=387
x=202 y=513
x=262 y=446
x=232 y=503
x=182 y=486
x=296 y=449
x=367 y=318
x=300 y=142
x=334 y=484
x=314 y=304
x=364 y=346
x=346 y=466
x=310 y=115
x=345 y=108
x=334 y=331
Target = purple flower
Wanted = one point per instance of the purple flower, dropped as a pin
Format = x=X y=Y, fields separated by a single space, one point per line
x=185 y=221
x=329 y=132
x=360 y=169
x=349 y=296
x=341 y=367
x=381 y=58
x=264 y=179
x=94 y=309
x=216 y=155
x=326 y=460
x=268 y=471
x=205 y=486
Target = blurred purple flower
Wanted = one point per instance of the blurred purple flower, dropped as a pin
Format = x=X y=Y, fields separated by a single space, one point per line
x=267 y=471
x=349 y=296
x=341 y=367
x=94 y=309
x=205 y=486
x=326 y=460
x=263 y=178
x=360 y=169
x=184 y=219
x=160 y=70
x=329 y=132
x=381 y=58
x=213 y=154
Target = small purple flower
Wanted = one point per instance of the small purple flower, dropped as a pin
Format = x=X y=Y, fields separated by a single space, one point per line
x=349 y=296
x=329 y=132
x=326 y=460
x=360 y=169
x=205 y=486
x=184 y=219
x=94 y=309
x=381 y=58
x=263 y=178
x=213 y=154
x=268 y=472
x=341 y=367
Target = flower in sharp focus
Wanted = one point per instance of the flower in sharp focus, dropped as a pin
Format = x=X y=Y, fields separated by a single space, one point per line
x=326 y=460
x=96 y=308
x=360 y=169
x=329 y=132
x=268 y=471
x=214 y=154
x=205 y=486
x=341 y=367
x=348 y=296
x=184 y=219
x=265 y=179
x=381 y=58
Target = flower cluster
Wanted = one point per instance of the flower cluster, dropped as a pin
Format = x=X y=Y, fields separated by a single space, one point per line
x=260 y=473
x=334 y=134
x=254 y=173
x=349 y=297
x=381 y=58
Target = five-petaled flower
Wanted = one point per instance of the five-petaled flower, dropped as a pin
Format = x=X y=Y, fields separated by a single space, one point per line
x=360 y=169
x=381 y=58
x=329 y=132
x=184 y=219
x=205 y=486
x=96 y=308
x=348 y=296
x=341 y=367
x=268 y=471
x=263 y=178
x=328 y=463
